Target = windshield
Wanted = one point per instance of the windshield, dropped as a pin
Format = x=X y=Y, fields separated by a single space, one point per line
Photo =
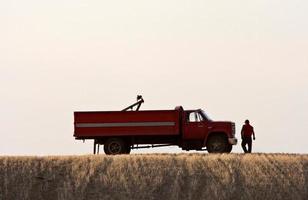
x=206 y=116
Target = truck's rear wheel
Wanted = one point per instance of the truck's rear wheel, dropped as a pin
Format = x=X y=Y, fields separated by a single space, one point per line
x=114 y=146
x=128 y=149
x=217 y=144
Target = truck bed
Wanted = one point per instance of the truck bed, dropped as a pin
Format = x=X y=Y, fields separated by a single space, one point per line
x=89 y=124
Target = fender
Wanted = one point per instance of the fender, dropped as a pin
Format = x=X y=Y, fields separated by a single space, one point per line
x=214 y=132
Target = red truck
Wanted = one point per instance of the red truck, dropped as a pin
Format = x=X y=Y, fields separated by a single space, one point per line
x=121 y=131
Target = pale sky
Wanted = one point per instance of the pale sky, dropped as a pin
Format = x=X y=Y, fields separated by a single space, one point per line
x=235 y=59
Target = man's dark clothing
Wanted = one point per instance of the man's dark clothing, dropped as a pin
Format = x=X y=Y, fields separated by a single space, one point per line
x=247 y=140
x=247 y=132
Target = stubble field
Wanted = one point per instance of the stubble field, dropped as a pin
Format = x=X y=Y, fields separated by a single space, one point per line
x=155 y=176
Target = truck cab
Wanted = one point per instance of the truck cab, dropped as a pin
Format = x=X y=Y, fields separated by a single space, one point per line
x=199 y=131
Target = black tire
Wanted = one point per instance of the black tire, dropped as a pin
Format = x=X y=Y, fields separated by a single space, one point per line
x=114 y=146
x=128 y=149
x=229 y=148
x=217 y=144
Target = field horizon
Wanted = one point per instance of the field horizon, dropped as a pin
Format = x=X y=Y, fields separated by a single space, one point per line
x=155 y=176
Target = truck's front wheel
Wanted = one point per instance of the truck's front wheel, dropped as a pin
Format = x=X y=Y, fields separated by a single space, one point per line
x=217 y=144
x=229 y=148
x=114 y=146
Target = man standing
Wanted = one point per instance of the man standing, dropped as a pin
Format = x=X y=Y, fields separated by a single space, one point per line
x=247 y=131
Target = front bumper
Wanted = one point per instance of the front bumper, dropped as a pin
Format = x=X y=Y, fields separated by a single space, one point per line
x=232 y=141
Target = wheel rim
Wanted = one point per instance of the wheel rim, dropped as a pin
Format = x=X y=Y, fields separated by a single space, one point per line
x=217 y=146
x=114 y=147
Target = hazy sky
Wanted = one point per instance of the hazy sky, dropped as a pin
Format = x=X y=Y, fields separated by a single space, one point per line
x=235 y=59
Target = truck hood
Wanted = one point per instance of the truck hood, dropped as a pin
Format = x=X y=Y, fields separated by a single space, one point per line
x=222 y=126
x=221 y=122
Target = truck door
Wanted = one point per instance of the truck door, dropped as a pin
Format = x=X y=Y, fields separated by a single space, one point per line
x=194 y=126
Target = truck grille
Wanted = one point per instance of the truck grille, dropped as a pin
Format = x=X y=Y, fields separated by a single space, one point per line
x=233 y=129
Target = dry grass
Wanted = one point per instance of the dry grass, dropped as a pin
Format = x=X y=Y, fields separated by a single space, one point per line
x=155 y=176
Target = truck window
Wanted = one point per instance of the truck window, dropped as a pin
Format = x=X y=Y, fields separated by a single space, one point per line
x=195 y=117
